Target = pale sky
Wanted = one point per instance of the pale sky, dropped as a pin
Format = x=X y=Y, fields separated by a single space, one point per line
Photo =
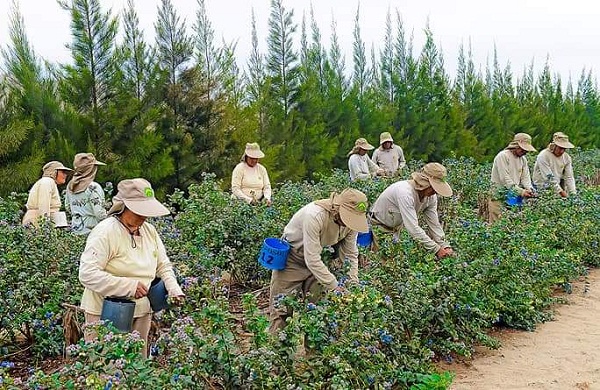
x=522 y=30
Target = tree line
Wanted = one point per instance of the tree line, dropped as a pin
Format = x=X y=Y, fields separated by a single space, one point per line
x=171 y=109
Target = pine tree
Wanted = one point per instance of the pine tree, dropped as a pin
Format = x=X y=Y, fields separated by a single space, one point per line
x=282 y=78
x=89 y=82
x=174 y=50
x=30 y=116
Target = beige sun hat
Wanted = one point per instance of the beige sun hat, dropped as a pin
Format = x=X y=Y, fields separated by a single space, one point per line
x=561 y=139
x=84 y=159
x=138 y=196
x=436 y=174
x=353 y=209
x=523 y=141
x=50 y=169
x=360 y=143
x=363 y=144
x=385 y=137
x=253 y=150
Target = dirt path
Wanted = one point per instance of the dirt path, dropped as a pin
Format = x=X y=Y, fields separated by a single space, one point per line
x=561 y=354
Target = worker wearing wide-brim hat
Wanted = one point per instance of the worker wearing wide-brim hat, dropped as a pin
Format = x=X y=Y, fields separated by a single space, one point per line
x=85 y=198
x=389 y=156
x=325 y=222
x=360 y=165
x=554 y=167
x=510 y=174
x=44 y=198
x=250 y=179
x=124 y=254
x=399 y=205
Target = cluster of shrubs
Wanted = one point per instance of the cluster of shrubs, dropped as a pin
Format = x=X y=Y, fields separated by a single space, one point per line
x=408 y=312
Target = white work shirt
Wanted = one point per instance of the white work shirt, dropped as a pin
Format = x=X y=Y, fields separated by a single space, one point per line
x=550 y=170
x=397 y=207
x=361 y=167
x=248 y=183
x=511 y=172
x=43 y=199
x=111 y=267
x=390 y=160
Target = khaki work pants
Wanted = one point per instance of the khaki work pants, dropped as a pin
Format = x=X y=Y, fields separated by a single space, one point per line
x=296 y=278
x=141 y=324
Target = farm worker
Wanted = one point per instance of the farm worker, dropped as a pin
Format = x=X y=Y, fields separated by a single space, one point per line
x=398 y=206
x=44 y=198
x=388 y=155
x=85 y=198
x=360 y=165
x=123 y=254
x=510 y=173
x=322 y=223
x=554 y=167
x=250 y=180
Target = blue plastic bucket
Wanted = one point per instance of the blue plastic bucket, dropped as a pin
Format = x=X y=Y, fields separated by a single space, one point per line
x=157 y=295
x=274 y=253
x=364 y=239
x=119 y=311
x=514 y=200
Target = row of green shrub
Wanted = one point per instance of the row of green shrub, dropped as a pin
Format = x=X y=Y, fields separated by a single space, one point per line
x=408 y=312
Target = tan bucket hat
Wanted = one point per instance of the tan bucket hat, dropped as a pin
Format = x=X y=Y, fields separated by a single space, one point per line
x=385 y=137
x=363 y=144
x=561 y=139
x=85 y=159
x=253 y=150
x=436 y=174
x=523 y=141
x=353 y=209
x=53 y=166
x=138 y=196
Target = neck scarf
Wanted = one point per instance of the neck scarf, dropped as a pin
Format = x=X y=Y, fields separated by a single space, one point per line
x=83 y=178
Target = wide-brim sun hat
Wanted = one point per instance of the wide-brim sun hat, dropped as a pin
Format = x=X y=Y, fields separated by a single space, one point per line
x=253 y=150
x=353 y=209
x=55 y=166
x=363 y=144
x=436 y=174
x=561 y=139
x=138 y=196
x=522 y=140
x=85 y=159
x=385 y=137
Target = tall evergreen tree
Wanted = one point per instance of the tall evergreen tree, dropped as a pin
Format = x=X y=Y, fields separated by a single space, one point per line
x=31 y=120
x=174 y=49
x=137 y=146
x=89 y=82
x=283 y=78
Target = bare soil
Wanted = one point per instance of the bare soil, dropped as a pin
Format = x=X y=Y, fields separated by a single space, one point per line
x=560 y=354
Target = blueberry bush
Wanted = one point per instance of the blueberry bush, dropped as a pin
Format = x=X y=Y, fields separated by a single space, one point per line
x=408 y=312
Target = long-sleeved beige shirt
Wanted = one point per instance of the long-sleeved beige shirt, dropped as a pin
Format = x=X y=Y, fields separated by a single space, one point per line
x=111 y=267
x=397 y=207
x=43 y=199
x=550 y=170
x=510 y=172
x=248 y=183
x=361 y=167
x=310 y=230
x=390 y=160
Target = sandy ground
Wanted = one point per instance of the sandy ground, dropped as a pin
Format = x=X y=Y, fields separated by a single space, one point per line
x=561 y=354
